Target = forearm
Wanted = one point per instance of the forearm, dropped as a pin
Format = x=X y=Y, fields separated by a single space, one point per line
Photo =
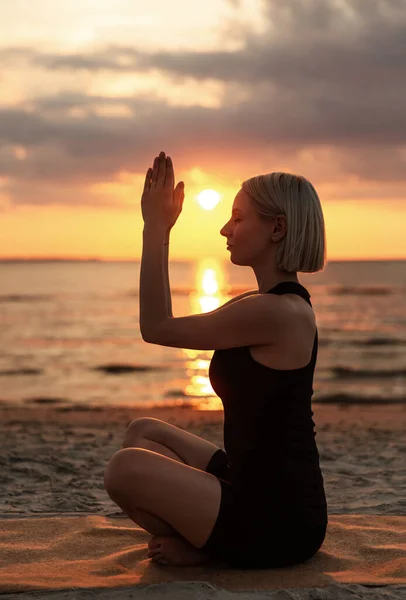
x=154 y=307
x=166 y=276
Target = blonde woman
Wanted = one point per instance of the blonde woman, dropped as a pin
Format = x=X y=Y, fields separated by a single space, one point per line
x=260 y=502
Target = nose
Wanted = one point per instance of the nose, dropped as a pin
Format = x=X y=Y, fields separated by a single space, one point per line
x=223 y=230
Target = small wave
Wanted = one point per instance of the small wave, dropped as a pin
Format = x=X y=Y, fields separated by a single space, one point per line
x=122 y=368
x=80 y=408
x=372 y=341
x=12 y=372
x=175 y=394
x=353 y=373
x=351 y=399
x=44 y=400
x=378 y=342
x=362 y=291
x=25 y=298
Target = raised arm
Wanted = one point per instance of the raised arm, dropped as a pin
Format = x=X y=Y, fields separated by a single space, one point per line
x=166 y=275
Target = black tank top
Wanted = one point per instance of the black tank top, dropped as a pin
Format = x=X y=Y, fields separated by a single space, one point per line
x=269 y=432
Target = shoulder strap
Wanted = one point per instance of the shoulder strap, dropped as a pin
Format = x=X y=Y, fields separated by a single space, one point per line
x=290 y=287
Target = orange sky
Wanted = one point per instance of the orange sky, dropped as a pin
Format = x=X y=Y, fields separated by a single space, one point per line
x=94 y=91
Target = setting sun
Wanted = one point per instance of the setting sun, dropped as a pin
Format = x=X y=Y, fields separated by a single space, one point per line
x=208 y=199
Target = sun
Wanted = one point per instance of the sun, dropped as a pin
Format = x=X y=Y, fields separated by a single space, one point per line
x=208 y=199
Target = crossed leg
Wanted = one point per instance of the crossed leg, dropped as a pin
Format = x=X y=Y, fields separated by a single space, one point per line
x=148 y=433
x=183 y=496
x=150 y=523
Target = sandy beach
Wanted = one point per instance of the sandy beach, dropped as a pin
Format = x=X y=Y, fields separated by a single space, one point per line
x=53 y=460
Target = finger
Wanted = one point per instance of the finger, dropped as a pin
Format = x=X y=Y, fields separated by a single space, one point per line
x=161 y=168
x=147 y=183
x=170 y=175
x=155 y=171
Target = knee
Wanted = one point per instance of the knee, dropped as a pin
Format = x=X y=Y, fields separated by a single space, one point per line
x=138 y=428
x=116 y=471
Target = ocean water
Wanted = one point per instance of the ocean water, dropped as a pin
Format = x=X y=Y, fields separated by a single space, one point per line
x=70 y=333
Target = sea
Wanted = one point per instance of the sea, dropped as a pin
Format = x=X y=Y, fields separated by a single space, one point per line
x=70 y=333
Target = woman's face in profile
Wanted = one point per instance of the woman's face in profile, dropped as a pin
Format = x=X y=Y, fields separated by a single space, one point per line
x=245 y=232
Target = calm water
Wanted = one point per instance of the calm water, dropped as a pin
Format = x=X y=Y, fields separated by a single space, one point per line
x=70 y=333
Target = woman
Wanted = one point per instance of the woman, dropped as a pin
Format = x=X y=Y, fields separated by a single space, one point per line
x=260 y=503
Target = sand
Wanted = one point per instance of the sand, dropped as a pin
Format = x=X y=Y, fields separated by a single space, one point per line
x=61 y=455
x=52 y=463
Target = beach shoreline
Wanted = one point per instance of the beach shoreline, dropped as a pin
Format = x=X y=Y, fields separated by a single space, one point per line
x=53 y=461
x=392 y=416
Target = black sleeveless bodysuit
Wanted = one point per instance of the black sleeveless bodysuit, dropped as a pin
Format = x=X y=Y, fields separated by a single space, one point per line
x=271 y=461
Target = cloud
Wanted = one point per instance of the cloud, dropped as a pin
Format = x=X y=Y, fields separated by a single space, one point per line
x=322 y=74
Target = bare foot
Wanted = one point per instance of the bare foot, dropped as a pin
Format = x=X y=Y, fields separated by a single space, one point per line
x=175 y=550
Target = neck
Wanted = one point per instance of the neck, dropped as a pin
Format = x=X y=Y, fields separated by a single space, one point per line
x=268 y=282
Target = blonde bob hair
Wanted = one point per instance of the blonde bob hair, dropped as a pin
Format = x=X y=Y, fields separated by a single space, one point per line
x=303 y=248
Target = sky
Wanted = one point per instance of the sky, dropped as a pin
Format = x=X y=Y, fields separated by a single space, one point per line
x=92 y=90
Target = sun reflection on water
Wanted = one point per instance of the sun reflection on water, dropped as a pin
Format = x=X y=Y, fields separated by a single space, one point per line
x=211 y=292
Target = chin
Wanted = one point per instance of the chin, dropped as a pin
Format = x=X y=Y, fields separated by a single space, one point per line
x=240 y=263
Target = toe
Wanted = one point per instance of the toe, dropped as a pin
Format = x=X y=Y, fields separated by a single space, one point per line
x=157 y=557
x=155 y=542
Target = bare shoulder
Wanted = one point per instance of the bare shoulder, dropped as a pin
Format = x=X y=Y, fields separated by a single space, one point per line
x=298 y=316
x=291 y=345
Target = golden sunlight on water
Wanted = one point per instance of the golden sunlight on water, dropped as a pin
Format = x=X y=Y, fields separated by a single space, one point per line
x=210 y=282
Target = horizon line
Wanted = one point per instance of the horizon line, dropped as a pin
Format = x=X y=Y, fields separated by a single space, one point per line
x=172 y=260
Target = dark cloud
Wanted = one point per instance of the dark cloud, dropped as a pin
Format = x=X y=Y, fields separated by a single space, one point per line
x=322 y=74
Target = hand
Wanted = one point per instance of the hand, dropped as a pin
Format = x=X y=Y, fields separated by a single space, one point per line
x=160 y=203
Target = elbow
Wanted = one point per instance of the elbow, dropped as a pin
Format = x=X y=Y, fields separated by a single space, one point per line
x=150 y=339
x=145 y=336
x=158 y=334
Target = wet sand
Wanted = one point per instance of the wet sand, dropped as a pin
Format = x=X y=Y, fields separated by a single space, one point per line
x=53 y=460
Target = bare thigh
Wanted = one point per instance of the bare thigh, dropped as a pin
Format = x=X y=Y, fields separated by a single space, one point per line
x=192 y=449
